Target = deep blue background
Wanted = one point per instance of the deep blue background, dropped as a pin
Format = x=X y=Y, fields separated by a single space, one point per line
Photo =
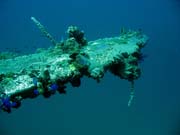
x=93 y=108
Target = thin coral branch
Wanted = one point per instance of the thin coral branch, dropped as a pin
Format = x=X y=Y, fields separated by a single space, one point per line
x=131 y=94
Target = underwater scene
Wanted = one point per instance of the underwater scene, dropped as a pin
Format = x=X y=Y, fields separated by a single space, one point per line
x=90 y=67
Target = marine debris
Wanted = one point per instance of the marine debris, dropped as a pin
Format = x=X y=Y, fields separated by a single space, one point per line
x=48 y=71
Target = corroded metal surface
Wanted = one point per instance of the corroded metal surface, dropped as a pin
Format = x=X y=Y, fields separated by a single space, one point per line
x=48 y=71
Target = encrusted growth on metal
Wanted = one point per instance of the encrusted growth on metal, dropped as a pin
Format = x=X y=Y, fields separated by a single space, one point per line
x=48 y=71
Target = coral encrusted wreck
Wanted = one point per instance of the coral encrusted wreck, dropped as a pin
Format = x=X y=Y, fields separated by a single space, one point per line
x=48 y=71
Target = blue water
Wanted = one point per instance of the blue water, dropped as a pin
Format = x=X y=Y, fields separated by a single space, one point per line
x=99 y=109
